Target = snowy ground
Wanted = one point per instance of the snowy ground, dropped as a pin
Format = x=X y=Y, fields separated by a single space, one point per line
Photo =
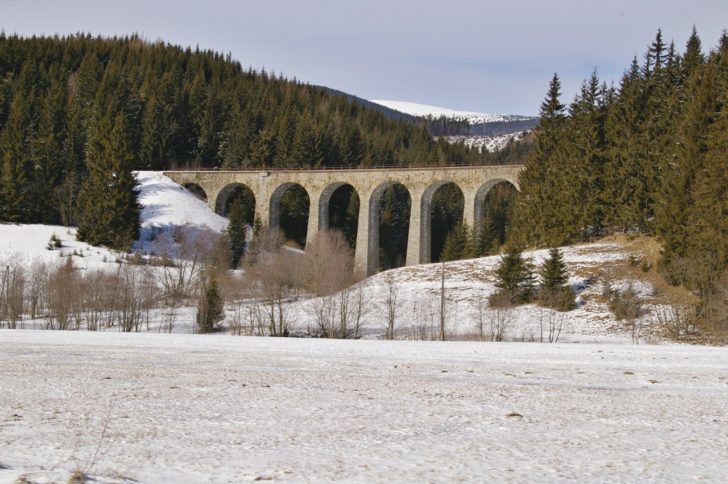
x=181 y=408
x=25 y=244
x=468 y=284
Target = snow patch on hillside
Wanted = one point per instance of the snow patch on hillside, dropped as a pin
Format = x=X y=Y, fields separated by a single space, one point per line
x=487 y=143
x=169 y=211
x=423 y=110
x=25 y=244
x=469 y=283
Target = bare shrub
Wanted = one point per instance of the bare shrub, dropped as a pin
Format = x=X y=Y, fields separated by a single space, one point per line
x=328 y=273
x=552 y=321
x=62 y=295
x=38 y=285
x=329 y=262
x=12 y=292
x=624 y=304
x=129 y=298
x=676 y=320
x=97 y=290
x=501 y=317
x=179 y=280
x=425 y=314
x=271 y=269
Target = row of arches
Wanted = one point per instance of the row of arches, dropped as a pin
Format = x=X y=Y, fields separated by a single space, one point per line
x=389 y=209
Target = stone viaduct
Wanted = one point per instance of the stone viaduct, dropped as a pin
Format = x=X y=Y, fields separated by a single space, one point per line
x=268 y=187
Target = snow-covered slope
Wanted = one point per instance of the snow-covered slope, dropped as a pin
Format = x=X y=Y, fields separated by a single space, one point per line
x=424 y=110
x=24 y=244
x=170 y=210
x=468 y=284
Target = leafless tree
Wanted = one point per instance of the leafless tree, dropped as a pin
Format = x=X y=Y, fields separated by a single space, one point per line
x=391 y=292
x=676 y=320
x=329 y=262
x=442 y=301
x=553 y=322
x=12 y=292
x=38 y=285
x=500 y=316
x=272 y=268
x=481 y=317
x=62 y=294
x=424 y=319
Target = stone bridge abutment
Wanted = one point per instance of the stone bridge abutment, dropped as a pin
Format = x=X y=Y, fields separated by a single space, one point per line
x=268 y=187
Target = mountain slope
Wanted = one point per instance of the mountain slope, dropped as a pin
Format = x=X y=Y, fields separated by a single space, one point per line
x=427 y=111
x=481 y=131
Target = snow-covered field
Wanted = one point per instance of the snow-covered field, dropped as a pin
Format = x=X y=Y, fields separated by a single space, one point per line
x=424 y=110
x=182 y=408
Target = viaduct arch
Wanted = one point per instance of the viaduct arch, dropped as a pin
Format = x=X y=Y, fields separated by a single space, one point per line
x=268 y=186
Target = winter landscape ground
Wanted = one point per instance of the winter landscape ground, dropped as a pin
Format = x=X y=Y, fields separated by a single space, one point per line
x=623 y=404
x=188 y=408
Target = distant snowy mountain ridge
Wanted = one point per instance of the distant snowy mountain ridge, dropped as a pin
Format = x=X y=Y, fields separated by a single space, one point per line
x=435 y=112
x=488 y=143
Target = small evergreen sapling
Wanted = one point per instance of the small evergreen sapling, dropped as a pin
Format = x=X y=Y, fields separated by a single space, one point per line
x=555 y=290
x=236 y=233
x=515 y=279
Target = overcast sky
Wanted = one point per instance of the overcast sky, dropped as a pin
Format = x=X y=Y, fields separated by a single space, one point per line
x=490 y=56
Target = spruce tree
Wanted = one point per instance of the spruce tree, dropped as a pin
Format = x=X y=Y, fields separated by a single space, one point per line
x=47 y=151
x=555 y=292
x=535 y=211
x=107 y=204
x=514 y=279
x=459 y=244
x=553 y=271
x=16 y=171
x=584 y=205
x=624 y=181
x=486 y=239
x=236 y=232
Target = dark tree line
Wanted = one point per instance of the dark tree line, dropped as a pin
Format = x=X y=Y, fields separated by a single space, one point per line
x=79 y=113
x=649 y=156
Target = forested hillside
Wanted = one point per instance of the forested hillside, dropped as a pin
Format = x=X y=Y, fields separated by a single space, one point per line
x=649 y=156
x=78 y=113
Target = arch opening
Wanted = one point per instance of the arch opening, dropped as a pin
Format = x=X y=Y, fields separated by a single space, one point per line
x=289 y=208
x=196 y=190
x=443 y=204
x=339 y=209
x=390 y=207
x=494 y=203
x=236 y=193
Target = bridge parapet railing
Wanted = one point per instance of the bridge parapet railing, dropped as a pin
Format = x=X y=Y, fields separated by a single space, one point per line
x=384 y=167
